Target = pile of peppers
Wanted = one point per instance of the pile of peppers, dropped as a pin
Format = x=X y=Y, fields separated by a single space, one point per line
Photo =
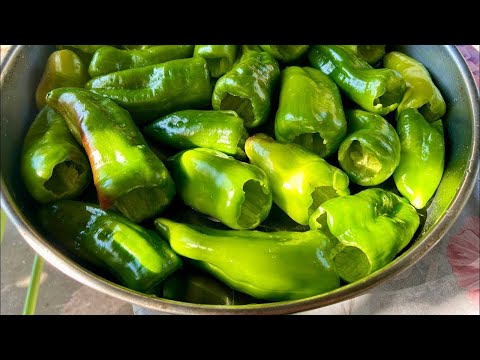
x=233 y=174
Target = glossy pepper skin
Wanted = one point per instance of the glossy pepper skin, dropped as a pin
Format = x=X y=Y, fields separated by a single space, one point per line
x=422 y=157
x=372 y=227
x=109 y=59
x=236 y=193
x=421 y=94
x=370 y=53
x=220 y=58
x=273 y=266
x=300 y=180
x=198 y=287
x=153 y=91
x=85 y=52
x=371 y=151
x=138 y=258
x=126 y=172
x=53 y=165
x=375 y=90
x=247 y=88
x=63 y=69
x=186 y=129
x=310 y=111
x=285 y=53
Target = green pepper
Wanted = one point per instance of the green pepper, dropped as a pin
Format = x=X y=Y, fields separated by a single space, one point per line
x=153 y=91
x=63 y=69
x=108 y=59
x=372 y=227
x=300 y=180
x=247 y=88
x=421 y=94
x=272 y=266
x=137 y=47
x=234 y=192
x=219 y=130
x=85 y=52
x=285 y=53
x=422 y=157
x=136 y=257
x=53 y=165
x=371 y=151
x=375 y=90
x=310 y=112
x=220 y=58
x=126 y=172
x=200 y=288
x=370 y=53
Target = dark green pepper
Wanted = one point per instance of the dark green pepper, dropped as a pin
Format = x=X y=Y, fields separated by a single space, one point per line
x=63 y=69
x=234 y=192
x=285 y=53
x=126 y=173
x=186 y=129
x=138 y=258
x=372 y=227
x=153 y=91
x=108 y=59
x=370 y=53
x=421 y=94
x=310 y=112
x=53 y=165
x=273 y=266
x=220 y=58
x=200 y=288
x=375 y=90
x=422 y=157
x=247 y=88
x=300 y=180
x=371 y=151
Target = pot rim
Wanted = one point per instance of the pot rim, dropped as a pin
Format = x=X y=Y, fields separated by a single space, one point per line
x=401 y=263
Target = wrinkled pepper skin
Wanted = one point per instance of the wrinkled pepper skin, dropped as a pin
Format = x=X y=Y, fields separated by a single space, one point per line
x=285 y=53
x=372 y=54
x=220 y=58
x=300 y=180
x=247 y=88
x=376 y=90
x=158 y=90
x=108 y=59
x=200 y=288
x=372 y=227
x=273 y=266
x=186 y=129
x=138 y=258
x=422 y=157
x=236 y=193
x=371 y=151
x=63 y=69
x=126 y=172
x=421 y=94
x=53 y=165
x=310 y=111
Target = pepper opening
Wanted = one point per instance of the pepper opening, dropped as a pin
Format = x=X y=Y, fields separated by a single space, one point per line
x=319 y=196
x=64 y=179
x=426 y=111
x=313 y=142
x=242 y=106
x=351 y=263
x=217 y=66
x=253 y=205
x=142 y=203
x=360 y=161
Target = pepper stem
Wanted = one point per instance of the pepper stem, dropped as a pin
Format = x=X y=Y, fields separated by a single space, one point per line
x=32 y=292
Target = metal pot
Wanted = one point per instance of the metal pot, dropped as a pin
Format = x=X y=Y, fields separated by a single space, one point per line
x=21 y=71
